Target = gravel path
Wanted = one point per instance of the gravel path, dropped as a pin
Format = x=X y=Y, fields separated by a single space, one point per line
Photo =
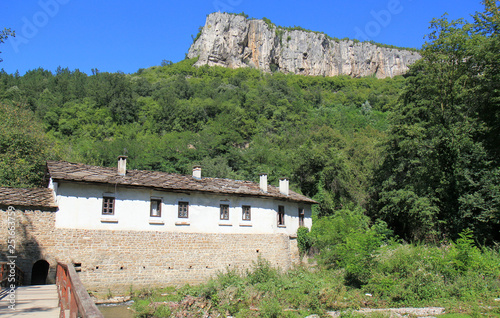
x=399 y=312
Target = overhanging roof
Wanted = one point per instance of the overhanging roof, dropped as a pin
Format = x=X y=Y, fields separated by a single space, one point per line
x=76 y=172
x=36 y=197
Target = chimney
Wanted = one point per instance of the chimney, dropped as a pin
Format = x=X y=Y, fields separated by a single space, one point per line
x=263 y=182
x=284 y=186
x=197 y=172
x=122 y=165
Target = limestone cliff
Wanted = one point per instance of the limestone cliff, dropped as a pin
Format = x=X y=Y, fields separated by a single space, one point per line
x=233 y=41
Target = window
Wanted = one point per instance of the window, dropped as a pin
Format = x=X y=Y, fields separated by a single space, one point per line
x=108 y=205
x=301 y=216
x=183 y=209
x=246 y=215
x=224 y=212
x=281 y=215
x=155 y=208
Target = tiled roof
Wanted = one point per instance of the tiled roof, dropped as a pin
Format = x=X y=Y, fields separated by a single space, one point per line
x=37 y=197
x=66 y=171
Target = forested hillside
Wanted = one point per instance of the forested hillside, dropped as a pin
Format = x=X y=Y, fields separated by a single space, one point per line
x=420 y=153
x=323 y=133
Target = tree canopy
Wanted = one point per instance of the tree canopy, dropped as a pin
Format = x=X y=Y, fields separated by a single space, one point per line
x=441 y=172
x=24 y=147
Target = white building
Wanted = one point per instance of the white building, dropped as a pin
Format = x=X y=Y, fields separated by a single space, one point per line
x=129 y=228
x=100 y=198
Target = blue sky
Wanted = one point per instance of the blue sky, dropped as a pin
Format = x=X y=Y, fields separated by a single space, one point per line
x=126 y=35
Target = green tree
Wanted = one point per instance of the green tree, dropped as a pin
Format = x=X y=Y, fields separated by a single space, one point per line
x=441 y=174
x=24 y=148
x=114 y=91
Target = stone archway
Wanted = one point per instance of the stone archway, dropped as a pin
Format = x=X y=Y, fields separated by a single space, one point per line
x=39 y=272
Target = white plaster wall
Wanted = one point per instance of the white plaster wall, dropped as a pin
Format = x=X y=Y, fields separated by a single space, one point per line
x=80 y=207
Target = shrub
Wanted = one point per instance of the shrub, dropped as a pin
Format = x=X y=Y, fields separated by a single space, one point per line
x=303 y=240
x=346 y=241
x=429 y=275
x=465 y=255
x=246 y=313
x=162 y=311
x=490 y=262
x=231 y=277
x=270 y=25
x=270 y=308
x=331 y=230
x=230 y=300
x=142 y=308
x=261 y=272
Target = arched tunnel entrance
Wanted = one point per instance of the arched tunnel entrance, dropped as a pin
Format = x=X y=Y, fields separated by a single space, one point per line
x=39 y=272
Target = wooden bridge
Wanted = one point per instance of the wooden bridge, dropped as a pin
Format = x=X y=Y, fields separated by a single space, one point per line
x=31 y=301
x=67 y=299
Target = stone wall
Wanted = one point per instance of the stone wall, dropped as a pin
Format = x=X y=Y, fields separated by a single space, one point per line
x=119 y=260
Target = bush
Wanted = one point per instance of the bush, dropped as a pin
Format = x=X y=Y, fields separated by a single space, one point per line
x=270 y=308
x=465 y=255
x=142 y=308
x=346 y=241
x=162 y=311
x=303 y=240
x=430 y=275
x=261 y=272
x=230 y=300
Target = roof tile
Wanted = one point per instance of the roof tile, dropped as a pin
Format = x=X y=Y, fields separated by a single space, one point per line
x=36 y=197
x=66 y=171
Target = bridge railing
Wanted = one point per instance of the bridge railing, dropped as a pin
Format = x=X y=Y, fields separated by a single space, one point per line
x=10 y=274
x=73 y=297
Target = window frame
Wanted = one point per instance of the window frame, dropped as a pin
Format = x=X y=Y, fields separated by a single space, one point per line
x=246 y=212
x=302 y=216
x=159 y=203
x=106 y=200
x=224 y=212
x=281 y=215
x=180 y=206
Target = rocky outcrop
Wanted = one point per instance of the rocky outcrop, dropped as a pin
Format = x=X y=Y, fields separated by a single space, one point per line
x=234 y=41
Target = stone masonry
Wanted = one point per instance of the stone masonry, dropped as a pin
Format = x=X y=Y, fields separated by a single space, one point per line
x=119 y=260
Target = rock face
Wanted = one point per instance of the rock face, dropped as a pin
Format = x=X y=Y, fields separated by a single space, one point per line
x=233 y=41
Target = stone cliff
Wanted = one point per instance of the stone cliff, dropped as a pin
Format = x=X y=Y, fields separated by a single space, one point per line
x=234 y=41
